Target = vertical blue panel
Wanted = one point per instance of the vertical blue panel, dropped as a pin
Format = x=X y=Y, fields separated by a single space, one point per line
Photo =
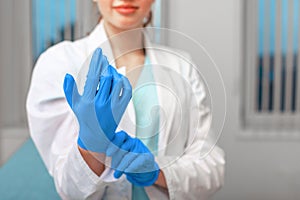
x=73 y=18
x=272 y=52
x=53 y=23
x=62 y=20
x=67 y=16
x=296 y=26
x=73 y=11
x=49 y=22
x=261 y=19
x=295 y=54
x=272 y=26
x=285 y=27
x=285 y=20
x=284 y=51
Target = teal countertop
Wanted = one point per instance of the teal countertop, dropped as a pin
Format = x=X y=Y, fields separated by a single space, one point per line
x=24 y=176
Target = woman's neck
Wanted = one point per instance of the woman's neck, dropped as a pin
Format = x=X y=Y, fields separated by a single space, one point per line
x=128 y=40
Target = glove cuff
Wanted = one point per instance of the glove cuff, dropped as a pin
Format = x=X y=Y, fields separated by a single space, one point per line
x=144 y=183
x=80 y=144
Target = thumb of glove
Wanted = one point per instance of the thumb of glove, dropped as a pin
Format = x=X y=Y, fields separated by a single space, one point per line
x=70 y=89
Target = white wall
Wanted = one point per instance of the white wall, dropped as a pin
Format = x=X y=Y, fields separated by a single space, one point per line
x=255 y=169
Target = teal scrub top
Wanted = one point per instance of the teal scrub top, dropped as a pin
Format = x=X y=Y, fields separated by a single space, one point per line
x=145 y=102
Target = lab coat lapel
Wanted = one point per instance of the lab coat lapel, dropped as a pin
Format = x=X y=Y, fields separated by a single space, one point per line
x=98 y=38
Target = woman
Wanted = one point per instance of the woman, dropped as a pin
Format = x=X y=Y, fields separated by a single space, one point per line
x=77 y=168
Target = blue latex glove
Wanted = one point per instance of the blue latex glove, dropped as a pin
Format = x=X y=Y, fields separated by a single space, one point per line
x=98 y=111
x=134 y=159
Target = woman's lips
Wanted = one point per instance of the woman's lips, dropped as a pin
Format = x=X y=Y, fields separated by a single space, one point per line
x=125 y=10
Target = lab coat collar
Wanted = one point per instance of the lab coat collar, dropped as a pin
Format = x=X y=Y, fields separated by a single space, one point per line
x=98 y=38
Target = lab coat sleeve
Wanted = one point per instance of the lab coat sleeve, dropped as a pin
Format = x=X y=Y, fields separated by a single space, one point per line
x=196 y=174
x=54 y=128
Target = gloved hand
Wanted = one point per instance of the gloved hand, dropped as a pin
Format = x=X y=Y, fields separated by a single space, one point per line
x=132 y=157
x=98 y=111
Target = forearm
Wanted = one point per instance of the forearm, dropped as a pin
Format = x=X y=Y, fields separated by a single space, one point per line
x=93 y=160
x=95 y=163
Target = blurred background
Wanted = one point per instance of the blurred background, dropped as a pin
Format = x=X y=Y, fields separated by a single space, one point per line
x=255 y=45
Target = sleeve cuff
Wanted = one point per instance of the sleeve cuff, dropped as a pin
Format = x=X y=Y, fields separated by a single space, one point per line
x=106 y=176
x=168 y=176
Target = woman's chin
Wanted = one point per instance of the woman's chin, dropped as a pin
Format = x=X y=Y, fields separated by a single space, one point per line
x=128 y=24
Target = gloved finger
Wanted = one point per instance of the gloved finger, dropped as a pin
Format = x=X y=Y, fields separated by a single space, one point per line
x=118 y=174
x=114 y=73
x=104 y=90
x=136 y=146
x=140 y=177
x=106 y=69
x=127 y=156
x=143 y=179
x=119 y=155
x=111 y=71
x=116 y=159
x=126 y=91
x=116 y=79
x=134 y=162
x=118 y=139
x=116 y=92
x=116 y=100
x=129 y=145
x=97 y=65
x=142 y=163
x=125 y=162
x=70 y=89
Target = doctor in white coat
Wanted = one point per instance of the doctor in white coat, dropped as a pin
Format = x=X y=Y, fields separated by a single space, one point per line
x=183 y=131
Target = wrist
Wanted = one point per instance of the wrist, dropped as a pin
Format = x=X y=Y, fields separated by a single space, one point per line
x=161 y=180
x=94 y=160
x=94 y=145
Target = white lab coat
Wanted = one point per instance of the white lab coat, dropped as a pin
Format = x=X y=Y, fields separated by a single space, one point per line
x=54 y=129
